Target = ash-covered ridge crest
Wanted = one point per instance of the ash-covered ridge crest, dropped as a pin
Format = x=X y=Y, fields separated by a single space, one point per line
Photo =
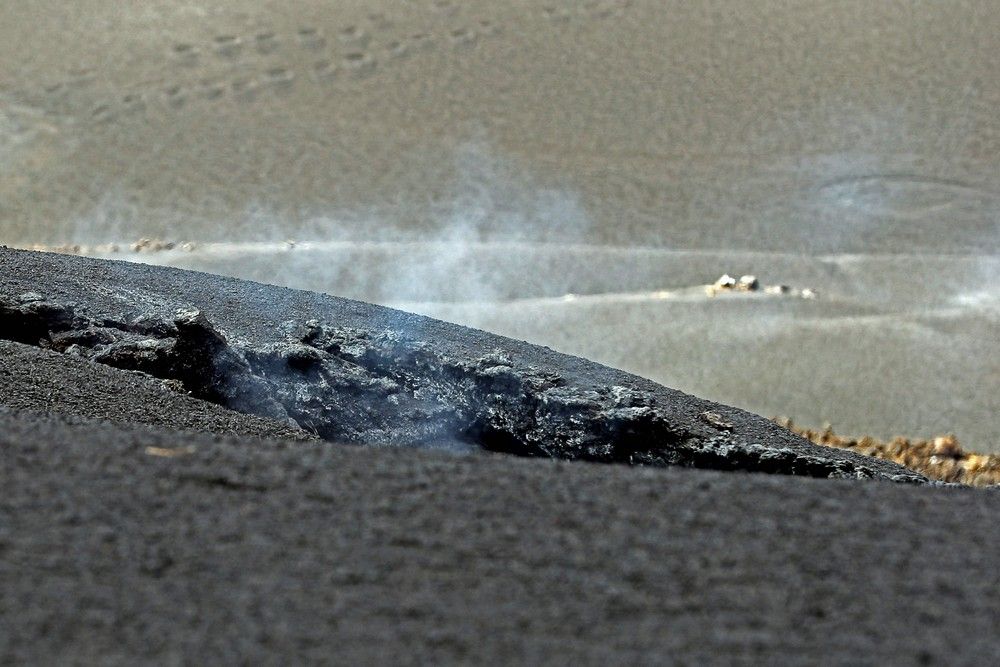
x=376 y=386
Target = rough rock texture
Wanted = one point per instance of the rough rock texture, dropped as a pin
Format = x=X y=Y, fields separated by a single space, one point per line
x=125 y=545
x=355 y=372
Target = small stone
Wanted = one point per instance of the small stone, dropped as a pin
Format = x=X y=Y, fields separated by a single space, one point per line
x=947 y=445
x=30 y=297
x=726 y=281
x=174 y=385
x=189 y=316
x=716 y=420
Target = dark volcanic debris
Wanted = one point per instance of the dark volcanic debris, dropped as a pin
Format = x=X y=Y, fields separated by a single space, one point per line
x=385 y=386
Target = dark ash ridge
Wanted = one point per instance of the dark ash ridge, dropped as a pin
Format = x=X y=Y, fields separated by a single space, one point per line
x=379 y=377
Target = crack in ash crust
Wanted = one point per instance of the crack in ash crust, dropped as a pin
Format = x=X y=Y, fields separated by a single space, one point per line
x=382 y=389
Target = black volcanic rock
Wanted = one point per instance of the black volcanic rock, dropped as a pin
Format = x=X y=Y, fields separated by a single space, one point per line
x=356 y=372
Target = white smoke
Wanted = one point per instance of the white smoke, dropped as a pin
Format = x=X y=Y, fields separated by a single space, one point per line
x=473 y=246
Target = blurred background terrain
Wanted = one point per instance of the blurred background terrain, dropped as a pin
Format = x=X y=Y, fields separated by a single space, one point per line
x=573 y=173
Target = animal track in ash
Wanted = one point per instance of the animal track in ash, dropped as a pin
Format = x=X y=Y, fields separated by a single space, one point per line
x=185 y=55
x=227 y=46
x=279 y=78
x=463 y=37
x=133 y=103
x=172 y=97
x=324 y=71
x=266 y=43
x=56 y=98
x=245 y=89
x=175 y=96
x=209 y=89
x=488 y=29
x=354 y=37
x=60 y=91
x=246 y=66
x=54 y=88
x=310 y=38
x=396 y=49
x=360 y=64
x=421 y=41
x=102 y=114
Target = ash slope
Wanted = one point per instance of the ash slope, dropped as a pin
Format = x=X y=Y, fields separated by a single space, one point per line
x=356 y=372
x=315 y=552
x=38 y=380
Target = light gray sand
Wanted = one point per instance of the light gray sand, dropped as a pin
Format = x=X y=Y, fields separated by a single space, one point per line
x=777 y=125
x=803 y=129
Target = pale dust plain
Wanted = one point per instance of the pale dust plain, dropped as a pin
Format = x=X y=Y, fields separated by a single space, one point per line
x=478 y=161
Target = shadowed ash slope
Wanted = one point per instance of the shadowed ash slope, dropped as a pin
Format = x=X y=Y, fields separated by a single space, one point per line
x=356 y=372
x=32 y=379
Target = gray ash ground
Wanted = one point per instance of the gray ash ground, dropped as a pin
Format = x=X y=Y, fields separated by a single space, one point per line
x=126 y=537
x=124 y=544
x=388 y=379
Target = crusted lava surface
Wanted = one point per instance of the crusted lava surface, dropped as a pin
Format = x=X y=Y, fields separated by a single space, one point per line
x=360 y=373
